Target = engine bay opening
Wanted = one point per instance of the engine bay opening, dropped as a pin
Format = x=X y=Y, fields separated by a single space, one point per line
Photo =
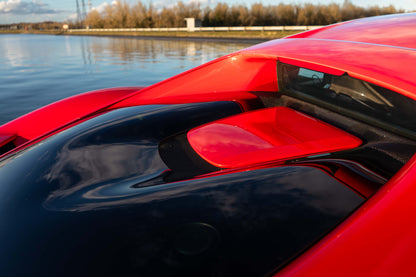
x=371 y=130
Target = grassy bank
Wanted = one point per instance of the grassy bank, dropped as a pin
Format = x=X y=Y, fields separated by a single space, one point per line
x=259 y=35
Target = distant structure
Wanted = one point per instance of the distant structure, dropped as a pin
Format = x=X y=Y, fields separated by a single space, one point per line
x=84 y=12
x=81 y=11
x=191 y=23
x=78 y=11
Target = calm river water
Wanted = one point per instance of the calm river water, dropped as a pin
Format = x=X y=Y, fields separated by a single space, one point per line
x=36 y=70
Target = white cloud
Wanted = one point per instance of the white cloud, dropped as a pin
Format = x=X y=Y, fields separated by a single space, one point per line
x=19 y=7
x=73 y=17
x=101 y=8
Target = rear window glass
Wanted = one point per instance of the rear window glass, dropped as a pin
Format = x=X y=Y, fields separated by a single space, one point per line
x=352 y=97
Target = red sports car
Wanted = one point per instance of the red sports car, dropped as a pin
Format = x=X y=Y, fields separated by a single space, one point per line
x=289 y=158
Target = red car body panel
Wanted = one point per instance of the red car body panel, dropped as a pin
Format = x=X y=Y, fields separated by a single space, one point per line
x=391 y=30
x=4 y=139
x=61 y=113
x=269 y=134
x=377 y=64
x=221 y=79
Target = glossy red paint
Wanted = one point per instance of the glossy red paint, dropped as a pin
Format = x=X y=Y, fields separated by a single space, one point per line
x=227 y=78
x=4 y=139
x=376 y=64
x=377 y=240
x=392 y=30
x=61 y=113
x=271 y=134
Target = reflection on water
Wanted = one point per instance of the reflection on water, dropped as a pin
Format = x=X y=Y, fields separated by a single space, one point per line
x=129 y=51
x=39 y=69
x=133 y=53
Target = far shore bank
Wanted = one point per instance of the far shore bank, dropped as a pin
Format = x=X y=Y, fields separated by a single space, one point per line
x=230 y=36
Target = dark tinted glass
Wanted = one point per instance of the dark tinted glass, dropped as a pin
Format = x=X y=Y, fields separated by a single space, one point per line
x=353 y=97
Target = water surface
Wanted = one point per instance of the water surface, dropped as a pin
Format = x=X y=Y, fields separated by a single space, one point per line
x=36 y=70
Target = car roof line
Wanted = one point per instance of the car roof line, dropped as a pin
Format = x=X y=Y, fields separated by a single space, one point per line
x=356 y=42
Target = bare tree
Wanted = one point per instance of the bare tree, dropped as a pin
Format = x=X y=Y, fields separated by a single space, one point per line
x=121 y=14
x=94 y=20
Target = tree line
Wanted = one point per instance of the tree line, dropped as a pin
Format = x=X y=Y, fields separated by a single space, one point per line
x=139 y=15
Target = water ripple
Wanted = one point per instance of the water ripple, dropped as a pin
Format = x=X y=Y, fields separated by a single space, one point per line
x=39 y=69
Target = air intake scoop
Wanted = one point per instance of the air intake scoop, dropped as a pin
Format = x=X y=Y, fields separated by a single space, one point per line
x=271 y=134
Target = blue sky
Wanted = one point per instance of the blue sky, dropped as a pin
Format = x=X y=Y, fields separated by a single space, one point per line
x=14 y=11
